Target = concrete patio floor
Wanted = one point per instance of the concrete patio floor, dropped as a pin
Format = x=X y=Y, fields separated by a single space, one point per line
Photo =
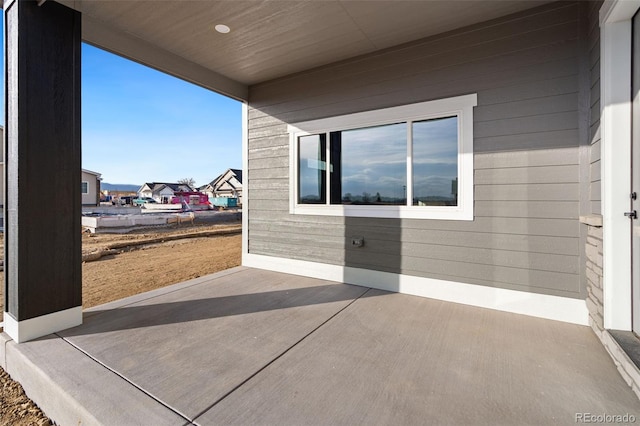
x=252 y=347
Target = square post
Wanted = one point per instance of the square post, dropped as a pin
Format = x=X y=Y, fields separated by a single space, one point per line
x=43 y=275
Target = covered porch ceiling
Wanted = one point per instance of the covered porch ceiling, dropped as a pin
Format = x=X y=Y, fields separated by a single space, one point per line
x=268 y=38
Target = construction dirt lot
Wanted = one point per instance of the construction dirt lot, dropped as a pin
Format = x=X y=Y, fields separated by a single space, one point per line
x=120 y=265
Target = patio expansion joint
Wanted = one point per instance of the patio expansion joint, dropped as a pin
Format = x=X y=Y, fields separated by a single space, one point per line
x=159 y=401
x=277 y=357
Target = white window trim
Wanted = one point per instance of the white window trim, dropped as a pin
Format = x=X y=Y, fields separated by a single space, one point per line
x=460 y=106
x=84 y=181
x=615 y=104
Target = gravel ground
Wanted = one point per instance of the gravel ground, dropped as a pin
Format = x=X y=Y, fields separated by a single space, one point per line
x=15 y=407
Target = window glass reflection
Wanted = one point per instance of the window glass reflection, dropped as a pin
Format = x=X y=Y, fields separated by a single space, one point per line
x=311 y=169
x=369 y=165
x=435 y=162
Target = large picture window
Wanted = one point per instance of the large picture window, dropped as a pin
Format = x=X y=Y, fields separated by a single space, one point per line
x=412 y=161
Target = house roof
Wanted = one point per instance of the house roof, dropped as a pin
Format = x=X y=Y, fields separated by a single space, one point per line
x=92 y=173
x=268 y=39
x=237 y=173
x=156 y=186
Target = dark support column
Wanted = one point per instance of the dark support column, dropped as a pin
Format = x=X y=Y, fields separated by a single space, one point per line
x=43 y=281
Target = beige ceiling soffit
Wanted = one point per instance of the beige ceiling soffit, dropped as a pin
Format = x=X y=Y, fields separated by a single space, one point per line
x=97 y=33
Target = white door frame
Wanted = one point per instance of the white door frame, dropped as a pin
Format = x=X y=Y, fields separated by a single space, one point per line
x=615 y=126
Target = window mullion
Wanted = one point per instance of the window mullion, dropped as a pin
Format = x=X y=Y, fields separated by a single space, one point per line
x=409 y=182
x=327 y=165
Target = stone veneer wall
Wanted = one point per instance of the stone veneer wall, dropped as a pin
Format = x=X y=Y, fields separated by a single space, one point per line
x=593 y=251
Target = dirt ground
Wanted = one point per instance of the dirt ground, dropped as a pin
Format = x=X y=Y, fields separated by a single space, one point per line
x=15 y=407
x=129 y=264
x=157 y=264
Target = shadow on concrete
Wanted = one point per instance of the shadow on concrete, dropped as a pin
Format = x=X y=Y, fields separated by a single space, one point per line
x=152 y=314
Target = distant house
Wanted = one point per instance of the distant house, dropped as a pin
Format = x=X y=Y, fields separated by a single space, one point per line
x=90 y=188
x=228 y=184
x=162 y=191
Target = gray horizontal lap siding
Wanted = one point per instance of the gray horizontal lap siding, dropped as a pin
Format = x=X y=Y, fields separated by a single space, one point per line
x=594 y=121
x=525 y=235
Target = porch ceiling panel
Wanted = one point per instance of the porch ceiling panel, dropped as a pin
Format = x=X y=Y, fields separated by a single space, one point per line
x=269 y=38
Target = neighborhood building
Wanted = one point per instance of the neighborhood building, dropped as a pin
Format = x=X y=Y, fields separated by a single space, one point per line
x=161 y=191
x=90 y=185
x=484 y=154
x=227 y=185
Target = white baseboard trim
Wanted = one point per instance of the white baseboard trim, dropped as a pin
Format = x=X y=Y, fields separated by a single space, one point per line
x=520 y=302
x=23 y=331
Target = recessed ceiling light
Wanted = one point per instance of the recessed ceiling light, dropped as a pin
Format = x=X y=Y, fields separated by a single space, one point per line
x=223 y=29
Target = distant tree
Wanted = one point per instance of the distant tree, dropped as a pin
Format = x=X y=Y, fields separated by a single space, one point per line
x=188 y=181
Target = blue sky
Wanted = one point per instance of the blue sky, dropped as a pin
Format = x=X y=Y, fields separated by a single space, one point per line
x=140 y=125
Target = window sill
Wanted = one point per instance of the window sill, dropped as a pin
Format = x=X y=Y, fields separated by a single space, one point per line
x=390 y=212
